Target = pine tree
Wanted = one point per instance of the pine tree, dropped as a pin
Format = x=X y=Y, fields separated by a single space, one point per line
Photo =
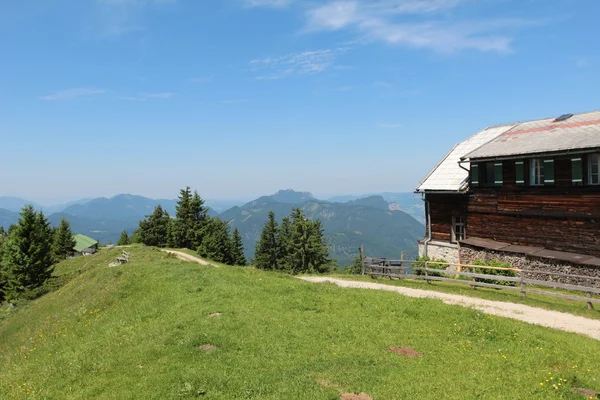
x=216 y=242
x=155 y=229
x=308 y=249
x=190 y=217
x=64 y=242
x=266 y=255
x=124 y=240
x=3 y=235
x=284 y=245
x=237 y=248
x=27 y=254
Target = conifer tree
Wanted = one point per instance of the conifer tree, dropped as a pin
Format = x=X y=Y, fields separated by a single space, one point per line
x=190 y=217
x=155 y=229
x=284 y=245
x=216 y=242
x=64 y=242
x=124 y=240
x=27 y=254
x=237 y=248
x=308 y=250
x=266 y=255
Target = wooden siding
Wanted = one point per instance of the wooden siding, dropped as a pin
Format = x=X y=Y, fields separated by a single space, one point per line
x=560 y=217
x=443 y=207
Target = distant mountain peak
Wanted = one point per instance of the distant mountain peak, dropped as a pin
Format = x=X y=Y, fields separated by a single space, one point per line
x=291 y=196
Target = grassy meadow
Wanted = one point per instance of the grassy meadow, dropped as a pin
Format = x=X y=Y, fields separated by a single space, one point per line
x=533 y=300
x=161 y=328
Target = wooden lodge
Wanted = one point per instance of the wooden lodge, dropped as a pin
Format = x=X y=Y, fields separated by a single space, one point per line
x=527 y=193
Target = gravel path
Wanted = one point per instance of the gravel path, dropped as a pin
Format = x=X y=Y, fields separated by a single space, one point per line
x=186 y=257
x=538 y=316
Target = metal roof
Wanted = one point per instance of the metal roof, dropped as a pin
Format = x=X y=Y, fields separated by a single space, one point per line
x=448 y=175
x=579 y=132
x=83 y=242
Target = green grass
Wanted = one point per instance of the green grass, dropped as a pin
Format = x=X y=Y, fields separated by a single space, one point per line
x=534 y=300
x=134 y=332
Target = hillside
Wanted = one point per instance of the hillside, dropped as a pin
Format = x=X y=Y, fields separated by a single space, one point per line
x=367 y=222
x=161 y=328
x=407 y=202
x=101 y=218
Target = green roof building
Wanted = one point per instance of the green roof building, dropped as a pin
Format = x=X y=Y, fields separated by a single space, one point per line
x=85 y=245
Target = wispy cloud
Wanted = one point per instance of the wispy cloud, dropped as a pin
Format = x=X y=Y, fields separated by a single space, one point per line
x=296 y=64
x=70 y=94
x=582 y=63
x=201 y=80
x=233 y=101
x=267 y=3
x=411 y=23
x=113 y=18
x=389 y=126
x=148 y=96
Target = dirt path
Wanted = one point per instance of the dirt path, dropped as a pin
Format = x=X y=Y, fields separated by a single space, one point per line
x=538 y=316
x=186 y=257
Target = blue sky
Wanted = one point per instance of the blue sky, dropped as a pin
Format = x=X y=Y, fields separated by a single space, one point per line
x=239 y=98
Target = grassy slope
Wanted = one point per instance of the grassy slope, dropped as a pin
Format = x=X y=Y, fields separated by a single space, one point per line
x=534 y=300
x=134 y=332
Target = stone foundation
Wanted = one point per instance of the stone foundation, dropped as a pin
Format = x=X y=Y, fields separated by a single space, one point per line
x=468 y=254
x=440 y=250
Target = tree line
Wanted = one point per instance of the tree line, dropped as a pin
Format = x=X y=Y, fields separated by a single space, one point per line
x=28 y=252
x=297 y=245
x=191 y=228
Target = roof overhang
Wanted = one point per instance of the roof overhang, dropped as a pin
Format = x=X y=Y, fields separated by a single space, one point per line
x=532 y=251
x=533 y=155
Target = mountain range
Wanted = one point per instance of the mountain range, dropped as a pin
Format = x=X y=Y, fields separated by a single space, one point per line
x=383 y=226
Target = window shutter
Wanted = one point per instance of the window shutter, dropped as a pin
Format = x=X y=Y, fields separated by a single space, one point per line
x=576 y=171
x=474 y=174
x=520 y=171
x=548 y=171
x=498 y=174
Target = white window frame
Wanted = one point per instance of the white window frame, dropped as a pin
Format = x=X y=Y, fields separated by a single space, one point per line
x=461 y=223
x=594 y=179
x=536 y=172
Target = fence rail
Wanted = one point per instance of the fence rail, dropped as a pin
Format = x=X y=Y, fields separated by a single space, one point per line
x=475 y=276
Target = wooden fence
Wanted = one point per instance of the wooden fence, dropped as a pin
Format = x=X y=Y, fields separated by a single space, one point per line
x=474 y=275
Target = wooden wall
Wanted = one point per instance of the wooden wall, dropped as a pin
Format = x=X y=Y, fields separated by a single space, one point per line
x=442 y=208
x=561 y=217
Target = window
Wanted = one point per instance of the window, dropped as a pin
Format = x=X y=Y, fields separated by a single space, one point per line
x=576 y=171
x=536 y=172
x=459 y=231
x=520 y=172
x=541 y=171
x=489 y=174
x=593 y=177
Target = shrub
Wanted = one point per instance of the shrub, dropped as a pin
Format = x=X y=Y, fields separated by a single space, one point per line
x=432 y=264
x=498 y=272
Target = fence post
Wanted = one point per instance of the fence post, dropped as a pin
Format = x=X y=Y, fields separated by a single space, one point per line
x=362 y=258
x=474 y=279
x=523 y=285
x=590 y=306
x=402 y=269
x=426 y=274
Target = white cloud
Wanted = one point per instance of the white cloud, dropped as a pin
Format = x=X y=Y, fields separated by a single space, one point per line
x=582 y=63
x=149 y=96
x=70 y=94
x=410 y=23
x=386 y=21
x=296 y=64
